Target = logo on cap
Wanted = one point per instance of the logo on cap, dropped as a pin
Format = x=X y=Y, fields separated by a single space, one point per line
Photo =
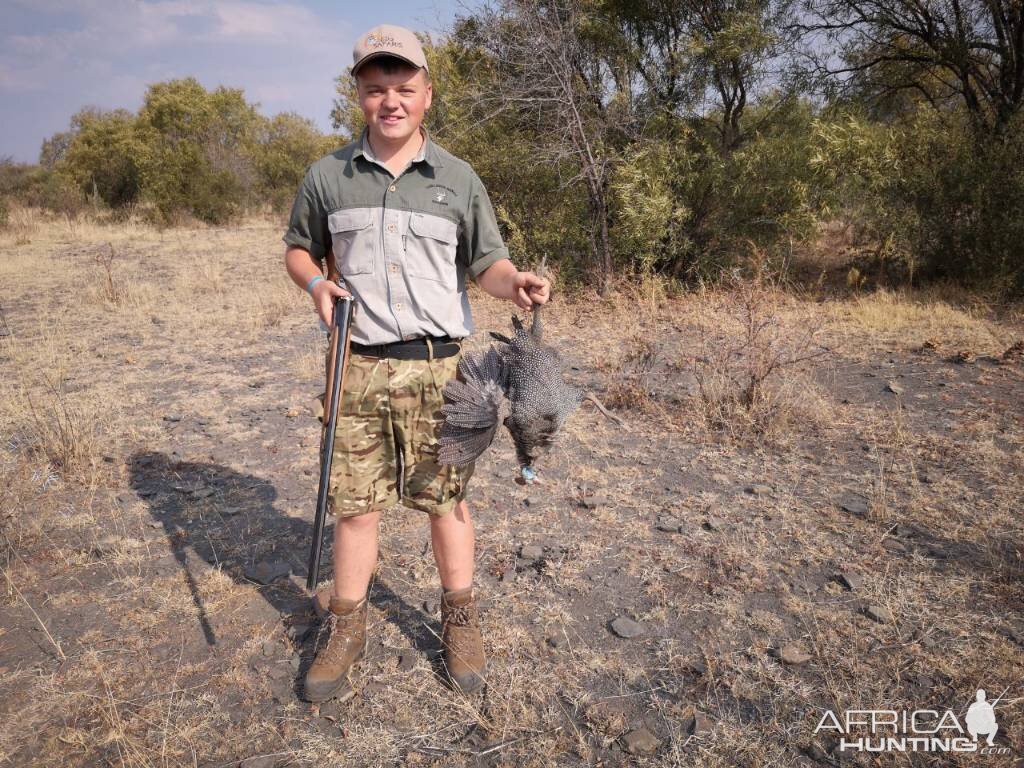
x=382 y=41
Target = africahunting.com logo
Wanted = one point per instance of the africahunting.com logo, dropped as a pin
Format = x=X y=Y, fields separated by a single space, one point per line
x=923 y=730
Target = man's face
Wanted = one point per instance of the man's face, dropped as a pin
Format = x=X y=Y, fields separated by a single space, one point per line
x=393 y=104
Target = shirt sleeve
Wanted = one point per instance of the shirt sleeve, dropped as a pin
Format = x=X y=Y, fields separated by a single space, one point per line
x=307 y=225
x=481 y=238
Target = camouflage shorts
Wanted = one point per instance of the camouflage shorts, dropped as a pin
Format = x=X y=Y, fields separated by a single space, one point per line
x=385 y=443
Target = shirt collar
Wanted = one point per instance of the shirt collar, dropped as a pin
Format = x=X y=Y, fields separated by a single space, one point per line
x=428 y=151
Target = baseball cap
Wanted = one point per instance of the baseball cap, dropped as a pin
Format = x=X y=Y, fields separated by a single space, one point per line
x=388 y=40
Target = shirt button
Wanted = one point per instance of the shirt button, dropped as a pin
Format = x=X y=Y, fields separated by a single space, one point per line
x=391 y=227
x=392 y=187
x=394 y=267
x=398 y=305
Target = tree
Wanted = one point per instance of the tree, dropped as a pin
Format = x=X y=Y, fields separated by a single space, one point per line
x=942 y=51
x=546 y=71
x=101 y=155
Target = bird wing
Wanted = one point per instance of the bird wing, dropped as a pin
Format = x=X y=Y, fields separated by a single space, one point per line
x=472 y=405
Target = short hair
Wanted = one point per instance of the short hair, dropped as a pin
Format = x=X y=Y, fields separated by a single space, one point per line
x=390 y=64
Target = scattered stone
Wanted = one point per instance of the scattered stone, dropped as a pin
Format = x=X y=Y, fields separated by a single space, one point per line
x=260 y=761
x=713 y=523
x=696 y=665
x=758 y=489
x=1015 y=634
x=126 y=497
x=172 y=417
x=291 y=413
x=295 y=663
x=893 y=545
x=299 y=631
x=531 y=552
x=697 y=723
x=155 y=524
x=895 y=388
x=719 y=479
x=595 y=501
x=110 y=545
x=230 y=511
x=406 y=661
x=626 y=628
x=374 y=688
x=817 y=752
x=430 y=607
x=855 y=505
x=269 y=647
x=268 y=571
x=668 y=524
x=555 y=641
x=791 y=653
x=878 y=613
x=640 y=741
x=850 y=580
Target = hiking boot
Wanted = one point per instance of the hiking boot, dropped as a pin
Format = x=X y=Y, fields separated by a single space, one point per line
x=321 y=600
x=460 y=640
x=340 y=643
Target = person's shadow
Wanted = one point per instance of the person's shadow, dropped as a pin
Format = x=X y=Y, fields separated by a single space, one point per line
x=215 y=517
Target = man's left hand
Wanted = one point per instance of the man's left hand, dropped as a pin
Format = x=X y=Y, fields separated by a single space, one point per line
x=528 y=289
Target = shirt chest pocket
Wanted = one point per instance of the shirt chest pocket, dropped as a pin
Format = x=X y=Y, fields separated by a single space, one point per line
x=354 y=238
x=430 y=249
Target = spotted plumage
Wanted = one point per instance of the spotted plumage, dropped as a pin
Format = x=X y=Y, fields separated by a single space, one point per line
x=525 y=372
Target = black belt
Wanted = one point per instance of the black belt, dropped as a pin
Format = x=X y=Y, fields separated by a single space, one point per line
x=413 y=349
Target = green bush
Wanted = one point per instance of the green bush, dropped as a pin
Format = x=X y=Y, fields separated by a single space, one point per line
x=927 y=199
x=685 y=207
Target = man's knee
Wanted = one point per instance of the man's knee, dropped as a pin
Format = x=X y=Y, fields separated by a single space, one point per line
x=362 y=523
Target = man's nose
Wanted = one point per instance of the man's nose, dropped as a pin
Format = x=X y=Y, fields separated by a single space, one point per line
x=391 y=100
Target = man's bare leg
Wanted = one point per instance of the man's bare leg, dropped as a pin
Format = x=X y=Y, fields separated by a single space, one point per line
x=451 y=537
x=355 y=554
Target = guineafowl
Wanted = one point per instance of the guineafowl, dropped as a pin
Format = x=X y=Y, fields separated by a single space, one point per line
x=526 y=372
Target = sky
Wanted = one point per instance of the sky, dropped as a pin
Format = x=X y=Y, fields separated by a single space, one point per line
x=57 y=56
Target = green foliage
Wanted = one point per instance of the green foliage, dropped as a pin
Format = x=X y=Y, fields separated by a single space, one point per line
x=37 y=187
x=198 y=150
x=101 y=158
x=188 y=151
x=685 y=207
x=926 y=197
x=288 y=144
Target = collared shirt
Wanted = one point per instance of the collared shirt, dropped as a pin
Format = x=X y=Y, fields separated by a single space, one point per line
x=403 y=244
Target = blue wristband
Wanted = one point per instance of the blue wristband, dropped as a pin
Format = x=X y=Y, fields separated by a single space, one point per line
x=311 y=283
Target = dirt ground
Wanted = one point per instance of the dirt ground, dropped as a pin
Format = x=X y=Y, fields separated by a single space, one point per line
x=853 y=542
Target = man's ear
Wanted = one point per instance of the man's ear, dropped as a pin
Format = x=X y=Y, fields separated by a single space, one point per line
x=430 y=94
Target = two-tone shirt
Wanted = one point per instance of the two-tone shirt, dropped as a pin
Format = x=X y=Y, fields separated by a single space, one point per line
x=403 y=244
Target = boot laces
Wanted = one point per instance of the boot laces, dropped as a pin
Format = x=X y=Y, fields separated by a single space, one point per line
x=459 y=619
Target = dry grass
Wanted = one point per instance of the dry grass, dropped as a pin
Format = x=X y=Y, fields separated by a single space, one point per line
x=156 y=438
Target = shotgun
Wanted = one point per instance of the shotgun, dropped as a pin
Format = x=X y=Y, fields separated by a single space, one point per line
x=341 y=333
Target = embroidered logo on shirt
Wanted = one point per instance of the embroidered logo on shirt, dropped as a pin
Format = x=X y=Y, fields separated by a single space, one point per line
x=441 y=193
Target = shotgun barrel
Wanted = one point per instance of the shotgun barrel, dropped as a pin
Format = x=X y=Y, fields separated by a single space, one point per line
x=341 y=332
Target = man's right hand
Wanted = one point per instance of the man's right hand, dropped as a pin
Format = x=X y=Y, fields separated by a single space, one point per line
x=324 y=293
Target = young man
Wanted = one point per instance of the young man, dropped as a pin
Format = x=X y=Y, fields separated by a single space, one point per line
x=404 y=223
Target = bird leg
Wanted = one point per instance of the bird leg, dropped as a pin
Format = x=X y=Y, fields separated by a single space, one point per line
x=604 y=410
x=536 y=329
